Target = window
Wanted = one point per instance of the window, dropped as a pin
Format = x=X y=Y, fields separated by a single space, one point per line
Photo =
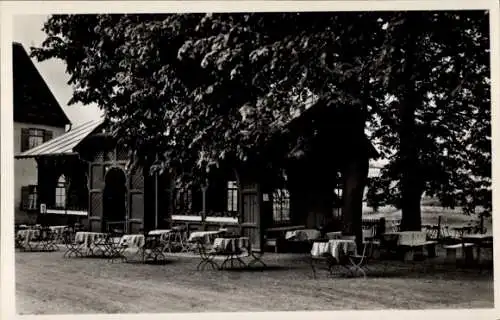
x=232 y=197
x=281 y=205
x=32 y=137
x=183 y=201
x=29 y=197
x=61 y=192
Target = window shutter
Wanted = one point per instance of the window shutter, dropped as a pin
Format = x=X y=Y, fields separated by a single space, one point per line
x=47 y=135
x=25 y=134
x=25 y=192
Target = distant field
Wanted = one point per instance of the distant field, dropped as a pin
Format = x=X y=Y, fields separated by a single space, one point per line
x=430 y=215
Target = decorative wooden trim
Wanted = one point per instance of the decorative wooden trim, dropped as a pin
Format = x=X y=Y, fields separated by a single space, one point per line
x=69 y=212
x=222 y=220
x=187 y=218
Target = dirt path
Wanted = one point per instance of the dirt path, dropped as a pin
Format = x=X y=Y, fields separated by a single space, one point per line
x=47 y=284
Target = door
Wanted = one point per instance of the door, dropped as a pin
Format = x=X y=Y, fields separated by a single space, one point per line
x=135 y=221
x=96 y=186
x=114 y=203
x=250 y=215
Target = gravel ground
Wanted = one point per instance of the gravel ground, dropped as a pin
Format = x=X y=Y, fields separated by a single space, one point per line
x=46 y=283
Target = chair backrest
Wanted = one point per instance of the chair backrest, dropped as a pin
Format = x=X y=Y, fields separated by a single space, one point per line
x=334 y=235
x=369 y=232
x=345 y=237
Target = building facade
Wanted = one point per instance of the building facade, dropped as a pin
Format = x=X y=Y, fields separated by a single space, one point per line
x=38 y=118
x=86 y=171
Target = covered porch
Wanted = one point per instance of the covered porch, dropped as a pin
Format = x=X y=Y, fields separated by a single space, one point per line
x=60 y=196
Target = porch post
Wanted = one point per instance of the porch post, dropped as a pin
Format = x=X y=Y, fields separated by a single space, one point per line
x=204 y=188
x=156 y=200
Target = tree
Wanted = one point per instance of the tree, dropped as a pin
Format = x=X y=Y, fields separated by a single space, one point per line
x=439 y=119
x=202 y=88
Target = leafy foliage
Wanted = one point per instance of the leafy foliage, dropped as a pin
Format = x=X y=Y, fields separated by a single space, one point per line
x=202 y=88
x=451 y=119
x=198 y=89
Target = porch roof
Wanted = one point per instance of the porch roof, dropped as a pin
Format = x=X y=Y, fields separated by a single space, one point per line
x=63 y=144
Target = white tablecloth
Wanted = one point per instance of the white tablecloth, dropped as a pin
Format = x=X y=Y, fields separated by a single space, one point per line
x=206 y=236
x=334 y=235
x=333 y=247
x=163 y=233
x=303 y=234
x=408 y=238
x=231 y=244
x=88 y=238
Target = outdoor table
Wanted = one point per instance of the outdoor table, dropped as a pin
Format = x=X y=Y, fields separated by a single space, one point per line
x=232 y=248
x=303 y=234
x=333 y=247
x=25 y=236
x=478 y=239
x=205 y=237
x=334 y=235
x=163 y=233
x=87 y=239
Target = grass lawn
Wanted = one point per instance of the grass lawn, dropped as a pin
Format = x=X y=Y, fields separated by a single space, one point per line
x=430 y=215
x=46 y=283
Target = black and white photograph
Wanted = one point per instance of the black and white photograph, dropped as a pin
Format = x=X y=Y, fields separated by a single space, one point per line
x=308 y=156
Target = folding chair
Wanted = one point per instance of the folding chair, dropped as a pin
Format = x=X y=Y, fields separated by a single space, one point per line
x=256 y=255
x=207 y=256
x=72 y=245
x=325 y=257
x=357 y=263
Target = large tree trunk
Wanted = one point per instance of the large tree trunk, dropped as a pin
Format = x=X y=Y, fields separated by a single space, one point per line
x=320 y=208
x=354 y=175
x=411 y=183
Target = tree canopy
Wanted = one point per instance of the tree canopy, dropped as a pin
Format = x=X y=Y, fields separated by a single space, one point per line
x=203 y=87
x=440 y=73
x=200 y=86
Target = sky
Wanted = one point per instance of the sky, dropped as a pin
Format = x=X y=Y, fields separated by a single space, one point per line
x=27 y=30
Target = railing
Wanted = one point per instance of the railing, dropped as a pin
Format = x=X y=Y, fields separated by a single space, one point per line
x=116 y=226
x=73 y=209
x=210 y=217
x=225 y=214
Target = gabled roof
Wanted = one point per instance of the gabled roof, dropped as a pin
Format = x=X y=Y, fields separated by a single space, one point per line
x=33 y=100
x=64 y=144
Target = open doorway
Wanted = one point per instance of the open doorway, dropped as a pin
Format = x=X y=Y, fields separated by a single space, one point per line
x=114 y=202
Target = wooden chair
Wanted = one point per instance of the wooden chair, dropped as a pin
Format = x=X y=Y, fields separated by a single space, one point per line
x=207 y=256
x=357 y=263
x=326 y=258
x=73 y=247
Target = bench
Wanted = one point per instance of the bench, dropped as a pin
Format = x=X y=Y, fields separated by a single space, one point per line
x=411 y=248
x=467 y=251
x=272 y=243
x=275 y=237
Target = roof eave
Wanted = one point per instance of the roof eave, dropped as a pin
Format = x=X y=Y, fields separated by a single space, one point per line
x=28 y=156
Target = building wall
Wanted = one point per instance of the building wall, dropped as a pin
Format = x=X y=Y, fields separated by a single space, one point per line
x=25 y=170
